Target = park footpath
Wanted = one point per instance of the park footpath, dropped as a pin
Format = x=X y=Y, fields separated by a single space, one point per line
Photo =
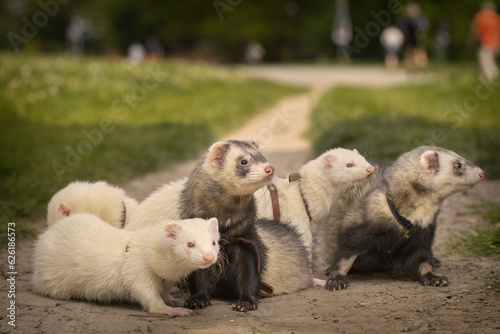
x=280 y=129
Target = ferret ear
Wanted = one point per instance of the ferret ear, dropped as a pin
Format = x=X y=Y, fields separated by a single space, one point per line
x=355 y=151
x=213 y=223
x=255 y=143
x=63 y=210
x=172 y=230
x=217 y=151
x=429 y=160
x=328 y=160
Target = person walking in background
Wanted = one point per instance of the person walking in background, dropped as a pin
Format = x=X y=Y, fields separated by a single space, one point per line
x=486 y=30
x=392 y=40
x=254 y=52
x=415 y=26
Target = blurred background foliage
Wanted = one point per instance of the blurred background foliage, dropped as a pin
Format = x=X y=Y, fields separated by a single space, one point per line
x=219 y=30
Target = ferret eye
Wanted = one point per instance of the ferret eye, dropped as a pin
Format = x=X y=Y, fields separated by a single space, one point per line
x=213 y=243
x=190 y=244
x=349 y=165
x=243 y=162
x=458 y=165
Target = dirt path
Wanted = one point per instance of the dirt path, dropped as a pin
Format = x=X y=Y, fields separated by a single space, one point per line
x=374 y=303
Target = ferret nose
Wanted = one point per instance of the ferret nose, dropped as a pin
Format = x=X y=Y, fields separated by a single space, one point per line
x=208 y=257
x=269 y=169
x=370 y=170
x=481 y=175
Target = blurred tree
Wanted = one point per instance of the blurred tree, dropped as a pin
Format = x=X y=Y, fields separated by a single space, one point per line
x=220 y=29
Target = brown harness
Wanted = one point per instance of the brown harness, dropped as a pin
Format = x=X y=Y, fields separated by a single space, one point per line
x=275 y=201
x=124 y=215
x=263 y=286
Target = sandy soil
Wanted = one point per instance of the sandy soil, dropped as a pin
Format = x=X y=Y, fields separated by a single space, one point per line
x=375 y=302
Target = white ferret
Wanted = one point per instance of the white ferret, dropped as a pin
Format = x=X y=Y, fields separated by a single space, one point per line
x=163 y=203
x=320 y=184
x=83 y=257
x=108 y=202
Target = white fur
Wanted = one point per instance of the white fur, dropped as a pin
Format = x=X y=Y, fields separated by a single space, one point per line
x=99 y=198
x=323 y=181
x=160 y=205
x=83 y=257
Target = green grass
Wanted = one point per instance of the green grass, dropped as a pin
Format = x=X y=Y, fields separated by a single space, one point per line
x=483 y=241
x=383 y=123
x=494 y=283
x=64 y=119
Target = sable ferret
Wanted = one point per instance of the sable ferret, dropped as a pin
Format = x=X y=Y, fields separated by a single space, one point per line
x=222 y=185
x=100 y=198
x=83 y=257
x=392 y=226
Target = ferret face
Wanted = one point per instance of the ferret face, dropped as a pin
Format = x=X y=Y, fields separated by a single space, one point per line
x=437 y=171
x=240 y=165
x=195 y=241
x=446 y=172
x=346 y=166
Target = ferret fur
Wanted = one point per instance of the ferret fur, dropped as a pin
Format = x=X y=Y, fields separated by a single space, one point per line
x=162 y=204
x=83 y=257
x=323 y=182
x=288 y=266
x=222 y=185
x=417 y=183
x=108 y=202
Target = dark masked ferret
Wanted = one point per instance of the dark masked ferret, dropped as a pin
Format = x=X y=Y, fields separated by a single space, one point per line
x=100 y=198
x=222 y=186
x=83 y=257
x=392 y=226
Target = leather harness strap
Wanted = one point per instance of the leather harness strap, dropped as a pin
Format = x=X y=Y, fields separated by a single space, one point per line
x=124 y=215
x=263 y=286
x=274 y=201
x=405 y=224
x=296 y=177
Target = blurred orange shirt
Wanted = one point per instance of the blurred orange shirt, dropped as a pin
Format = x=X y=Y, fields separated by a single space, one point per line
x=486 y=26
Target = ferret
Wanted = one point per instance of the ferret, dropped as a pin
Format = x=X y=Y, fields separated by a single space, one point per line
x=83 y=257
x=108 y=202
x=162 y=204
x=392 y=226
x=320 y=183
x=222 y=186
x=288 y=261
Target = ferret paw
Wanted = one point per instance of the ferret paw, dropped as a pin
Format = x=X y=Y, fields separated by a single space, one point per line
x=170 y=311
x=433 y=280
x=175 y=302
x=243 y=306
x=336 y=283
x=319 y=282
x=197 y=303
